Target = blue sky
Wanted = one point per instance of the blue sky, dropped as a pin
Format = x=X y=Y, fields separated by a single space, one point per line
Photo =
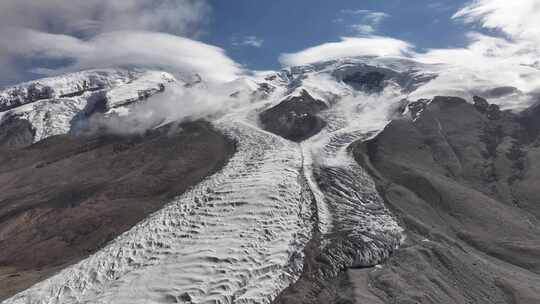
x=284 y=26
x=224 y=39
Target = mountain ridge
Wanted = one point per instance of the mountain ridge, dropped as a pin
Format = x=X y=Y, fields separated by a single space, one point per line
x=314 y=209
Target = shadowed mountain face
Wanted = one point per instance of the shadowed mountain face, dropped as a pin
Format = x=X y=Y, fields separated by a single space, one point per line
x=15 y=133
x=295 y=118
x=369 y=82
x=65 y=197
x=463 y=179
x=439 y=207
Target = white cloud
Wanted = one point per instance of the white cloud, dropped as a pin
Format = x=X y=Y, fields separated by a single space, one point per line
x=79 y=17
x=354 y=12
x=101 y=33
x=369 y=21
x=348 y=47
x=123 y=48
x=518 y=19
x=509 y=57
x=363 y=29
x=506 y=58
x=375 y=17
x=252 y=41
x=441 y=6
x=485 y=63
x=177 y=104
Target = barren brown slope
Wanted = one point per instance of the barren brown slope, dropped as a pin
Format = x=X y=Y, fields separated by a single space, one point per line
x=464 y=181
x=66 y=197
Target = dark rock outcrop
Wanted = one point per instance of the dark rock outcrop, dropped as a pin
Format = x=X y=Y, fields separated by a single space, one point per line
x=368 y=82
x=295 y=118
x=481 y=104
x=65 y=197
x=36 y=91
x=417 y=107
x=493 y=112
x=15 y=132
x=463 y=180
x=20 y=96
x=529 y=119
x=373 y=79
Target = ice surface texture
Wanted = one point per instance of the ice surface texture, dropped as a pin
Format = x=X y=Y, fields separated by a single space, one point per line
x=239 y=236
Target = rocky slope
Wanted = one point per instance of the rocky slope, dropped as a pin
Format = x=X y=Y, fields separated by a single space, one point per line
x=65 y=197
x=71 y=182
x=340 y=190
x=462 y=179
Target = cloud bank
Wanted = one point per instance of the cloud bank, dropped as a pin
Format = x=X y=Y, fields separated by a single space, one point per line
x=518 y=19
x=509 y=56
x=78 y=34
x=176 y=104
x=348 y=47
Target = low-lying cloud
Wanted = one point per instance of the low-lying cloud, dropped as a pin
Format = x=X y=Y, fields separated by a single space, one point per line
x=55 y=36
x=518 y=19
x=508 y=57
x=176 y=104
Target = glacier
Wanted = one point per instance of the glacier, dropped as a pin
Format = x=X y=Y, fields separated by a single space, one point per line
x=239 y=236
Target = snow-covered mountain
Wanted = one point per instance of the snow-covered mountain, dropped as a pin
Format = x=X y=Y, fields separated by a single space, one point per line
x=244 y=234
x=56 y=105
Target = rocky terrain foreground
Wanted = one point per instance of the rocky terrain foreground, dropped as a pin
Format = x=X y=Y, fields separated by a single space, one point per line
x=343 y=181
x=65 y=197
x=463 y=180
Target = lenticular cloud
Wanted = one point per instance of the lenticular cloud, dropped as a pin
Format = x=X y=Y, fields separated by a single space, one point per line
x=509 y=57
x=348 y=47
x=54 y=36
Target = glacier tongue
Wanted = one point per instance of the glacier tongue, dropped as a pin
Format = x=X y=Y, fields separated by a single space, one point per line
x=355 y=228
x=239 y=236
x=235 y=238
